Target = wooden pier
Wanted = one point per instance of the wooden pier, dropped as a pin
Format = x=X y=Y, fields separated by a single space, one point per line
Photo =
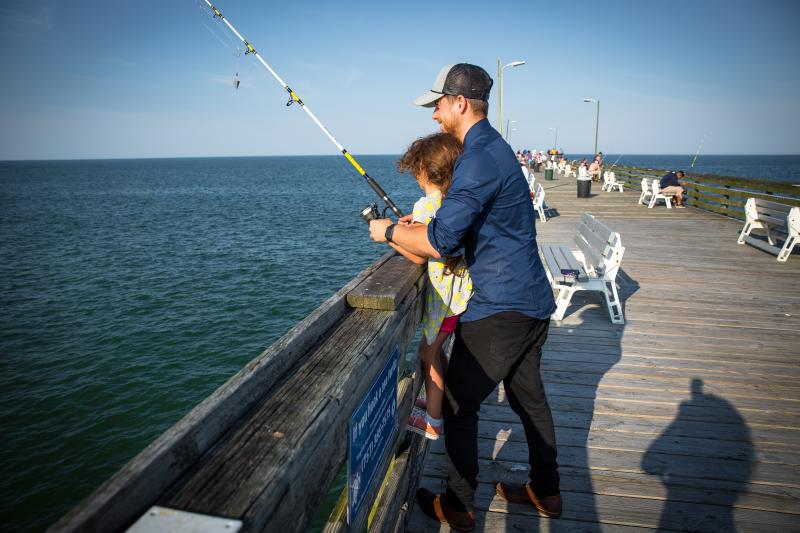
x=685 y=418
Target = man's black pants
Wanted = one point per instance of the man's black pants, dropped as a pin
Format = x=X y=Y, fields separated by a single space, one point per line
x=504 y=347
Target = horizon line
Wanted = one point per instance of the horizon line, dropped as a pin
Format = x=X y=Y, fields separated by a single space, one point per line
x=127 y=158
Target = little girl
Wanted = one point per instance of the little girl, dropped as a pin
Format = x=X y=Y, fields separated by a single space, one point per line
x=431 y=160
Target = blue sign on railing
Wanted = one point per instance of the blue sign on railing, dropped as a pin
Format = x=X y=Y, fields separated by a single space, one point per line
x=372 y=427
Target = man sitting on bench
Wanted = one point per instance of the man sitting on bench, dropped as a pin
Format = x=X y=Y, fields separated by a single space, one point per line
x=670 y=184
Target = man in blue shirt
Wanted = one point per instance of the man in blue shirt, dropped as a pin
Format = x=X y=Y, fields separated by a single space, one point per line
x=670 y=184
x=488 y=212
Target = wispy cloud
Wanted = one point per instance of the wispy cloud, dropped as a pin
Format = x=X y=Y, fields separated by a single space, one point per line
x=355 y=74
x=26 y=19
x=403 y=60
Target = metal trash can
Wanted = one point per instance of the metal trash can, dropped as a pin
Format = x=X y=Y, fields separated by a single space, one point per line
x=584 y=188
x=548 y=174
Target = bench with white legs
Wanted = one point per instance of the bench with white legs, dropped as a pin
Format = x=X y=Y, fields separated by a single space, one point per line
x=658 y=194
x=538 y=202
x=647 y=192
x=771 y=217
x=610 y=181
x=593 y=267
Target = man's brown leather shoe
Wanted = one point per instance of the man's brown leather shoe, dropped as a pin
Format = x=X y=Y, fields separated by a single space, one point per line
x=435 y=506
x=549 y=506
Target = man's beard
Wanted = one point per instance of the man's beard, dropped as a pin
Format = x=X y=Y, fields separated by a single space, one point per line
x=448 y=127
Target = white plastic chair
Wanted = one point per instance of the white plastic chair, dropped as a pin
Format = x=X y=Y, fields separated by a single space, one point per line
x=606 y=182
x=612 y=181
x=658 y=195
x=646 y=192
x=538 y=202
x=569 y=171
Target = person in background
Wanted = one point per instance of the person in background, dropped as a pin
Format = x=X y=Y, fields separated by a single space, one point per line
x=594 y=169
x=583 y=169
x=670 y=184
x=526 y=172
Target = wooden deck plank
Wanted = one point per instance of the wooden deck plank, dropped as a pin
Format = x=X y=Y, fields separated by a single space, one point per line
x=615 y=512
x=655 y=409
x=674 y=464
x=698 y=307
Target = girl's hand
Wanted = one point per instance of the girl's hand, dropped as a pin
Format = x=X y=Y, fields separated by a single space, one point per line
x=406 y=220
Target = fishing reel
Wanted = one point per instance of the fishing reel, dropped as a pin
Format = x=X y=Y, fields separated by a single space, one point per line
x=371 y=213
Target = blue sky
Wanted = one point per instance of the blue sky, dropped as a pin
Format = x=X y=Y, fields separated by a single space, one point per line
x=108 y=79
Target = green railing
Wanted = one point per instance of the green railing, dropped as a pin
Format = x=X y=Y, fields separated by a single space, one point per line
x=719 y=194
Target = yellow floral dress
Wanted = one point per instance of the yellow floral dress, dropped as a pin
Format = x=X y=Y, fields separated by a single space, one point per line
x=447 y=294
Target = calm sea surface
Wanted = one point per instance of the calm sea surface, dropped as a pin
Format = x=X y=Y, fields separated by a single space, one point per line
x=132 y=289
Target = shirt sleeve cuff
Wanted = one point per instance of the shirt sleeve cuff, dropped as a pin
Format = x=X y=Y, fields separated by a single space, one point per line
x=441 y=238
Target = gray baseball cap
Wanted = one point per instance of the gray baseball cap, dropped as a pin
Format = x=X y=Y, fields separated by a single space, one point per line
x=461 y=79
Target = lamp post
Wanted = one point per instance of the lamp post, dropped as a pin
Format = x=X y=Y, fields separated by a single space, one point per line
x=500 y=69
x=555 y=142
x=596 y=120
x=508 y=131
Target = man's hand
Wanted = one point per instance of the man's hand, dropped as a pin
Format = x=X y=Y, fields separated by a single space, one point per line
x=377 y=229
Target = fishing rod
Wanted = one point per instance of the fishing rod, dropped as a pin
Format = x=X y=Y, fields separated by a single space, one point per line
x=370 y=211
x=699 y=146
x=615 y=162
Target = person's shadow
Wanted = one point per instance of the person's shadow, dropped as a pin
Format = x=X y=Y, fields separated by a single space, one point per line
x=675 y=457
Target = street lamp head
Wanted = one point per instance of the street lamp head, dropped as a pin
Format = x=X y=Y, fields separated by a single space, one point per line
x=591 y=100
x=514 y=64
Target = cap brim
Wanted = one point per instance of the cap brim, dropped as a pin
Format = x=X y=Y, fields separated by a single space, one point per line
x=428 y=99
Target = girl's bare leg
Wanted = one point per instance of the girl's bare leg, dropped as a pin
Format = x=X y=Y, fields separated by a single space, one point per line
x=431 y=359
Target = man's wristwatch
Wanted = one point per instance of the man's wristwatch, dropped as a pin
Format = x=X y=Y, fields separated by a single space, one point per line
x=389 y=232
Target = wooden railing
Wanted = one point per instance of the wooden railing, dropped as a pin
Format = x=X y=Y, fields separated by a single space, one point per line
x=719 y=194
x=260 y=453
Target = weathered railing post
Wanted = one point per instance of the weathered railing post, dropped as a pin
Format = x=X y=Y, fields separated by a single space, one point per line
x=261 y=452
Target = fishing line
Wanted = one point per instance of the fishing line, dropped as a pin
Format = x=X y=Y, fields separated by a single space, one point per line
x=224 y=38
x=294 y=98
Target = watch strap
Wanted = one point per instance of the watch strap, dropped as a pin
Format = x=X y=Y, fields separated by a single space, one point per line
x=389 y=232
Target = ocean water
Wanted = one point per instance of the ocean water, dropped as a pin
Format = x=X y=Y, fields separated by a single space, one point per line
x=131 y=289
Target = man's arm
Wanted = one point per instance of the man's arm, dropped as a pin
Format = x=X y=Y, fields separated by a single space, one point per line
x=412 y=238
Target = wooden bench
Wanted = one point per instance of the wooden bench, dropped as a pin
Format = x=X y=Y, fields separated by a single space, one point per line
x=658 y=194
x=771 y=216
x=593 y=267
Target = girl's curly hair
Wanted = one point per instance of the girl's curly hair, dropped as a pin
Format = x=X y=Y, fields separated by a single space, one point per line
x=435 y=156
